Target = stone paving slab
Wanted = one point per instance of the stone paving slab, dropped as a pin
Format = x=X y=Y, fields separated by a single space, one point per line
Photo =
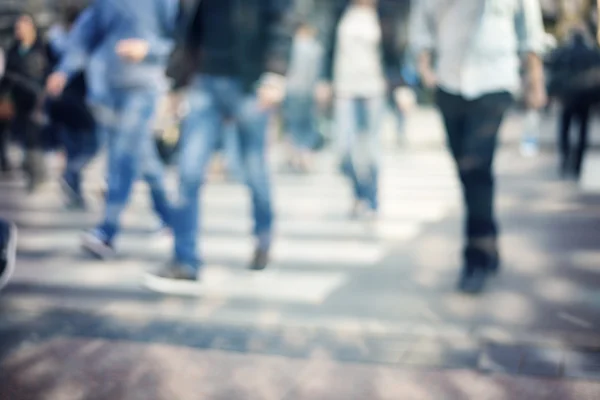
x=83 y=369
x=408 y=350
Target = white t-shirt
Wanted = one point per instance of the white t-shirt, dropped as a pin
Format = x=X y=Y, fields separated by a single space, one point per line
x=358 y=69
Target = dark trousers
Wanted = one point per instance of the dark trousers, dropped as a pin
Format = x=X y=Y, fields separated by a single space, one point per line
x=4 y=146
x=472 y=133
x=572 y=158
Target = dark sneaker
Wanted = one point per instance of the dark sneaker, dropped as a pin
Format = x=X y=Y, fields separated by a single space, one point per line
x=174 y=278
x=95 y=244
x=473 y=279
x=479 y=267
x=73 y=200
x=8 y=251
x=260 y=260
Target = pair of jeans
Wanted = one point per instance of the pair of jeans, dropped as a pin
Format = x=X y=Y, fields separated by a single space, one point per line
x=211 y=100
x=132 y=153
x=301 y=120
x=358 y=124
x=230 y=148
x=472 y=134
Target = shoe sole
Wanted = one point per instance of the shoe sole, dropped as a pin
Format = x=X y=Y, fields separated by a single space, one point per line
x=171 y=286
x=11 y=255
x=95 y=247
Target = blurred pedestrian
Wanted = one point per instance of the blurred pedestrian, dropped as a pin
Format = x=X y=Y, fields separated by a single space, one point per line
x=576 y=106
x=477 y=46
x=134 y=39
x=23 y=81
x=363 y=64
x=300 y=118
x=6 y=116
x=234 y=60
x=71 y=117
x=8 y=250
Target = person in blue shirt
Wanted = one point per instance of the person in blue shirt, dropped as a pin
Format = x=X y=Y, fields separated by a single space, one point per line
x=134 y=40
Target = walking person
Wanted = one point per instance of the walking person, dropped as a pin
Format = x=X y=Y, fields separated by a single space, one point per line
x=134 y=38
x=363 y=65
x=300 y=108
x=237 y=52
x=70 y=115
x=26 y=70
x=477 y=46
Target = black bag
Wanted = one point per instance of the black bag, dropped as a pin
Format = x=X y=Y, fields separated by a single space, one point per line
x=573 y=70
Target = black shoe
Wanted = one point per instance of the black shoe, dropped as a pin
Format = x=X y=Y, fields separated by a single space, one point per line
x=174 y=278
x=8 y=251
x=474 y=279
x=73 y=200
x=479 y=267
x=260 y=260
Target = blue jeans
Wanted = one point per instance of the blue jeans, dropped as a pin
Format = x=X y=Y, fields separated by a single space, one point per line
x=132 y=153
x=301 y=120
x=358 y=125
x=230 y=146
x=211 y=99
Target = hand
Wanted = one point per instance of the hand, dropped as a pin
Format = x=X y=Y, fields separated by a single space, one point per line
x=270 y=95
x=323 y=93
x=132 y=50
x=537 y=97
x=405 y=98
x=56 y=83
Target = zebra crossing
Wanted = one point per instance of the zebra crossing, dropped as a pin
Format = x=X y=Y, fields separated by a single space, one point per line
x=316 y=251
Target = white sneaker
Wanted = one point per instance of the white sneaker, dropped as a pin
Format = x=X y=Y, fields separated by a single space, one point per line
x=8 y=251
x=94 y=244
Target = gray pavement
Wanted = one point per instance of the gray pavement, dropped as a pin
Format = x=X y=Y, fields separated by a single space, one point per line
x=377 y=302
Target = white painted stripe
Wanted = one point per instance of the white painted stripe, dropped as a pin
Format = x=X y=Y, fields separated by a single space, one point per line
x=285 y=250
x=223 y=283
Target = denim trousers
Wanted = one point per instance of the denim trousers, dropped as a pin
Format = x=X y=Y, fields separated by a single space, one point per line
x=212 y=99
x=132 y=153
x=358 y=124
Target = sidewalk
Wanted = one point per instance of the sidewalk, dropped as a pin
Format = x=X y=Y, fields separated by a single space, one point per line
x=344 y=312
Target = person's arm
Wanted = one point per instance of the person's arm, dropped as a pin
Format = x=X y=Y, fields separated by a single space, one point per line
x=391 y=13
x=183 y=60
x=598 y=22
x=422 y=41
x=161 y=45
x=280 y=30
x=530 y=32
x=82 y=40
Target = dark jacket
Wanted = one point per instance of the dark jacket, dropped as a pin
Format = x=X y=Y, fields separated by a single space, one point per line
x=574 y=72
x=25 y=75
x=263 y=33
x=70 y=109
x=393 y=16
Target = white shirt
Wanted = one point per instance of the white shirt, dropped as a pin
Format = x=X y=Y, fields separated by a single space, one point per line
x=477 y=42
x=358 y=69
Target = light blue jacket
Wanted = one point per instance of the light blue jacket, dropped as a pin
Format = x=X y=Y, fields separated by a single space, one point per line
x=105 y=23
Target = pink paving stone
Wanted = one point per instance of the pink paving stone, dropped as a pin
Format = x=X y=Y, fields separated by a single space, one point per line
x=78 y=369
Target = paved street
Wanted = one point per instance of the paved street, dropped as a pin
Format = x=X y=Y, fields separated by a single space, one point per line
x=373 y=303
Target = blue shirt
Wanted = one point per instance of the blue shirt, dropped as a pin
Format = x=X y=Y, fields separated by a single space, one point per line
x=106 y=22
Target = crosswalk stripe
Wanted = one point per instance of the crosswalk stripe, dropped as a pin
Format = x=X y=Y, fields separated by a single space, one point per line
x=316 y=248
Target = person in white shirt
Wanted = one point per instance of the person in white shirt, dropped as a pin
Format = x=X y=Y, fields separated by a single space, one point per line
x=363 y=65
x=478 y=45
